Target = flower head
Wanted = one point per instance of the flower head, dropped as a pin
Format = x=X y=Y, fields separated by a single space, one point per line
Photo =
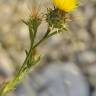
x=65 y=5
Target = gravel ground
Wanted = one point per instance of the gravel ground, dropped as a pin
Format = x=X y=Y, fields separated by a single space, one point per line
x=68 y=66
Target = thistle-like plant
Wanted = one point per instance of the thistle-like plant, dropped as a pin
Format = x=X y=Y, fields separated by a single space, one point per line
x=56 y=19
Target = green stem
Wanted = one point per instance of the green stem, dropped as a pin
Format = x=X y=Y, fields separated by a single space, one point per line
x=21 y=73
x=12 y=84
x=26 y=60
x=46 y=36
x=24 y=70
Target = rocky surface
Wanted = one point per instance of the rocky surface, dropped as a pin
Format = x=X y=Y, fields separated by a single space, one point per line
x=78 y=47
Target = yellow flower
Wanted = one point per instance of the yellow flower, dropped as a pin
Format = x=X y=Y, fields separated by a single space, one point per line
x=66 y=5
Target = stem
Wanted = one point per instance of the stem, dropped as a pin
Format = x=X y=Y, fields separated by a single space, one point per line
x=22 y=72
x=26 y=60
x=24 y=68
x=46 y=36
x=12 y=84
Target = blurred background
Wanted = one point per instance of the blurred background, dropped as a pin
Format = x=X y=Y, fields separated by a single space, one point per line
x=68 y=65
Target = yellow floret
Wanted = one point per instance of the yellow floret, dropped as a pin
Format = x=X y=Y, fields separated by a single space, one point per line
x=65 y=5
